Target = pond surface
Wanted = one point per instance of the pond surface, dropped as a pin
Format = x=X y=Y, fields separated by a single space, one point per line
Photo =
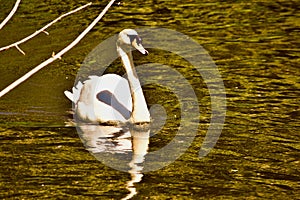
x=256 y=49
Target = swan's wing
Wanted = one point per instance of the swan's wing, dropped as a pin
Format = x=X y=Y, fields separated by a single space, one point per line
x=112 y=98
x=102 y=99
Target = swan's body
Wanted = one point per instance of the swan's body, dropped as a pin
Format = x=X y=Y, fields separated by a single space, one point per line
x=89 y=108
x=111 y=98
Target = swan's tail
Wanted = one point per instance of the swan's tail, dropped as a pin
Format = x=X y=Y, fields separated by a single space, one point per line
x=75 y=94
x=69 y=95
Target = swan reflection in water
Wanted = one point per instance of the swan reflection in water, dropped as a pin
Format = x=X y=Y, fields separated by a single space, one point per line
x=121 y=148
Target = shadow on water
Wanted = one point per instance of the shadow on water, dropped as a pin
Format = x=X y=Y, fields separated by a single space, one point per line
x=256 y=48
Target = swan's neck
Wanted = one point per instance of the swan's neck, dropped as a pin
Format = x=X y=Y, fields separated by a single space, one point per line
x=140 y=113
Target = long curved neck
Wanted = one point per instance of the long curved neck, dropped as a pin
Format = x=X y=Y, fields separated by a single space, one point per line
x=140 y=113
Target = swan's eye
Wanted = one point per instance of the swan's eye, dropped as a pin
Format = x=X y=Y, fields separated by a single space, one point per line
x=135 y=37
x=138 y=40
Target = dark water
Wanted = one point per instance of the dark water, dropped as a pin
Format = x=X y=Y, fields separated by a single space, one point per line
x=255 y=46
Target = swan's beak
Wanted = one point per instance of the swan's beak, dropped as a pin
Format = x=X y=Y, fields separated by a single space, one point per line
x=139 y=47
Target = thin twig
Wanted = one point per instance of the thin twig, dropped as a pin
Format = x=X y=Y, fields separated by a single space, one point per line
x=58 y=55
x=41 y=30
x=20 y=49
x=12 y=12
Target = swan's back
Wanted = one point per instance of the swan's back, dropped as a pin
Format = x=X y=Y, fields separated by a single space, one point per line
x=102 y=99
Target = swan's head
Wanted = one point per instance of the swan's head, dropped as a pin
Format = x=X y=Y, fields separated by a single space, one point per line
x=130 y=37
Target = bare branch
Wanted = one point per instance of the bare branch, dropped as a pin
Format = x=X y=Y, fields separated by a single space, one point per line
x=45 y=32
x=20 y=49
x=58 y=55
x=42 y=29
x=12 y=12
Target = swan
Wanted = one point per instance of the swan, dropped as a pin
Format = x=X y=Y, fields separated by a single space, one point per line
x=112 y=99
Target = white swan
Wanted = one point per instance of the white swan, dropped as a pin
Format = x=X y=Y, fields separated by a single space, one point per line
x=111 y=98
